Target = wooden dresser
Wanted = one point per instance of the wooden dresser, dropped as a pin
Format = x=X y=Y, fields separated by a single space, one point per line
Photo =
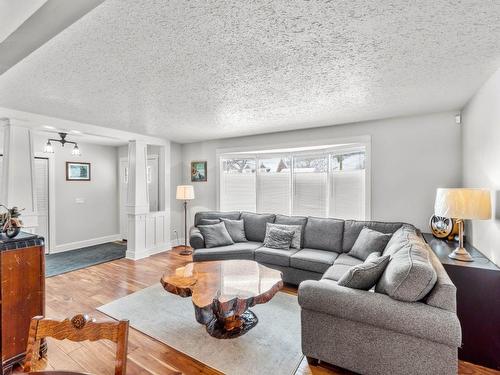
x=22 y=293
x=478 y=302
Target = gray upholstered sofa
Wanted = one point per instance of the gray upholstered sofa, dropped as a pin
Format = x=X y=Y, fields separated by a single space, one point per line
x=368 y=332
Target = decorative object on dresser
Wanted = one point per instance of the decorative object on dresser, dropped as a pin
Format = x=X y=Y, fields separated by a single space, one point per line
x=22 y=294
x=10 y=224
x=461 y=204
x=198 y=171
x=443 y=227
x=185 y=193
x=79 y=328
x=478 y=302
x=223 y=291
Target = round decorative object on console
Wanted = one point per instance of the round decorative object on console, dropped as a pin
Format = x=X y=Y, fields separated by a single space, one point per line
x=442 y=227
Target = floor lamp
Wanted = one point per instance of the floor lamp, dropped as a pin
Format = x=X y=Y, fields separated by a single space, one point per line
x=185 y=193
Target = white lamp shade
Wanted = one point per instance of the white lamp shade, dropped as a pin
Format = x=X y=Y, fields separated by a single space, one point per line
x=184 y=192
x=463 y=203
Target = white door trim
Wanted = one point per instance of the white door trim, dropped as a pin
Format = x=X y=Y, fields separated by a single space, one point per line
x=52 y=199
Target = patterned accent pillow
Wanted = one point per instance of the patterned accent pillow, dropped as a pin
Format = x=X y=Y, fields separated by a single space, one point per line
x=278 y=239
x=365 y=275
x=296 y=228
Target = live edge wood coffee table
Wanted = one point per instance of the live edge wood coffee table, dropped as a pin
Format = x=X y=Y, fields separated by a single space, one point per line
x=223 y=291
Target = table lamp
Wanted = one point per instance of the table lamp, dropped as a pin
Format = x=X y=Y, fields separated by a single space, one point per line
x=185 y=193
x=462 y=204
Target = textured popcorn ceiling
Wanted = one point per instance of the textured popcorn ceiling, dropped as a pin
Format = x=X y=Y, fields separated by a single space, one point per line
x=193 y=70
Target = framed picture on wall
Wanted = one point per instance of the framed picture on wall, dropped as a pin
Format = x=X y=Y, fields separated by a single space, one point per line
x=198 y=171
x=77 y=171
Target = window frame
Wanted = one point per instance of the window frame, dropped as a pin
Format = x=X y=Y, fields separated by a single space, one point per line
x=332 y=146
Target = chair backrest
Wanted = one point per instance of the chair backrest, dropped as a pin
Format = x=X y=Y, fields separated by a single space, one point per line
x=79 y=328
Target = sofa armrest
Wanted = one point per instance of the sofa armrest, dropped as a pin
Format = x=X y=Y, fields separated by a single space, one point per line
x=376 y=309
x=196 y=239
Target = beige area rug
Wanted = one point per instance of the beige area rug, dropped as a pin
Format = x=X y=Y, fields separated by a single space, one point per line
x=272 y=347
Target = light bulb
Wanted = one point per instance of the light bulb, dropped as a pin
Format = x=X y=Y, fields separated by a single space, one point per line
x=76 y=151
x=48 y=148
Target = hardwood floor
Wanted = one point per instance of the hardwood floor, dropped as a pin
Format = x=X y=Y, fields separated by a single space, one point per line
x=84 y=290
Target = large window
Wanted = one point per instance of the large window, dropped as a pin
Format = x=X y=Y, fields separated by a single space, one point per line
x=329 y=182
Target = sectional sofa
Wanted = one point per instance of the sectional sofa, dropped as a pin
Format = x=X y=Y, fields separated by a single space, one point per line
x=406 y=325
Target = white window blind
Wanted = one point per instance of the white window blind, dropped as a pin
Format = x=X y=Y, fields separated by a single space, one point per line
x=237 y=185
x=310 y=185
x=324 y=183
x=273 y=185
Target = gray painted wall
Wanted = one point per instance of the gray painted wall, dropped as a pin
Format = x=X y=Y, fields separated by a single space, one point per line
x=481 y=161
x=98 y=216
x=411 y=157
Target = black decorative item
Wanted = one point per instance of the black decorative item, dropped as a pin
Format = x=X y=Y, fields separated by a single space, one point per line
x=443 y=227
x=10 y=224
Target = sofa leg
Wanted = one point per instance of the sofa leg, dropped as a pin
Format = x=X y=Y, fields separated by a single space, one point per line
x=312 y=361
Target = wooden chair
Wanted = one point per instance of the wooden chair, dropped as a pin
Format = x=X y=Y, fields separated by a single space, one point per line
x=79 y=328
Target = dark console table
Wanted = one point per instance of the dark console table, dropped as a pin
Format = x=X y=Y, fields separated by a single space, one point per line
x=22 y=294
x=478 y=302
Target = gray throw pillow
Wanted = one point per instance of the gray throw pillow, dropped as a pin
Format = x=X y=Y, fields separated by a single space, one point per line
x=215 y=235
x=365 y=275
x=278 y=239
x=236 y=229
x=369 y=241
x=209 y=221
x=296 y=228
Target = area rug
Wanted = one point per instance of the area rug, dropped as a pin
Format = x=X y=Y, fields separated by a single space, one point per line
x=67 y=261
x=271 y=347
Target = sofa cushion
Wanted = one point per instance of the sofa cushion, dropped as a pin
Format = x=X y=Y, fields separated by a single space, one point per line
x=277 y=257
x=240 y=250
x=336 y=271
x=324 y=234
x=365 y=275
x=352 y=228
x=215 y=235
x=255 y=225
x=296 y=228
x=236 y=229
x=347 y=260
x=209 y=221
x=293 y=220
x=399 y=239
x=369 y=241
x=409 y=276
x=313 y=260
x=233 y=215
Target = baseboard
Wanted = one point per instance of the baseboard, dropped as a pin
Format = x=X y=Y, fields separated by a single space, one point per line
x=85 y=243
x=174 y=243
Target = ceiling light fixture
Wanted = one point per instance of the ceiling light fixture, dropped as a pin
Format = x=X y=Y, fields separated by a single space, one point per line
x=49 y=149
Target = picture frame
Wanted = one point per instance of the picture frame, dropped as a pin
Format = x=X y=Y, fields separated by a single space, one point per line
x=77 y=171
x=198 y=171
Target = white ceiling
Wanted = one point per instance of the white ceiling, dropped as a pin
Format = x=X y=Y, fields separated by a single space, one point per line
x=14 y=13
x=195 y=70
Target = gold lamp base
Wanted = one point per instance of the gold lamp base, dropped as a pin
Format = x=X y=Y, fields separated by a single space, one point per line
x=461 y=254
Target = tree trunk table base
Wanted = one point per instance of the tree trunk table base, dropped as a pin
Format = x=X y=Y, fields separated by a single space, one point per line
x=223 y=291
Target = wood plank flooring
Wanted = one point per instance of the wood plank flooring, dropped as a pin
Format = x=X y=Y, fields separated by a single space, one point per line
x=84 y=290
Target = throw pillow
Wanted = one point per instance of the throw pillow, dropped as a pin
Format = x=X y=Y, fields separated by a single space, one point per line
x=278 y=239
x=215 y=235
x=296 y=228
x=365 y=275
x=369 y=241
x=209 y=221
x=236 y=229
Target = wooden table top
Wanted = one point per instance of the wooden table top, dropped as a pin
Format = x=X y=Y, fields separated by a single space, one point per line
x=56 y=373
x=224 y=281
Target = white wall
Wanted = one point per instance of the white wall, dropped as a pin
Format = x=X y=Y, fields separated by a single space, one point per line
x=411 y=157
x=177 y=209
x=481 y=161
x=98 y=216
